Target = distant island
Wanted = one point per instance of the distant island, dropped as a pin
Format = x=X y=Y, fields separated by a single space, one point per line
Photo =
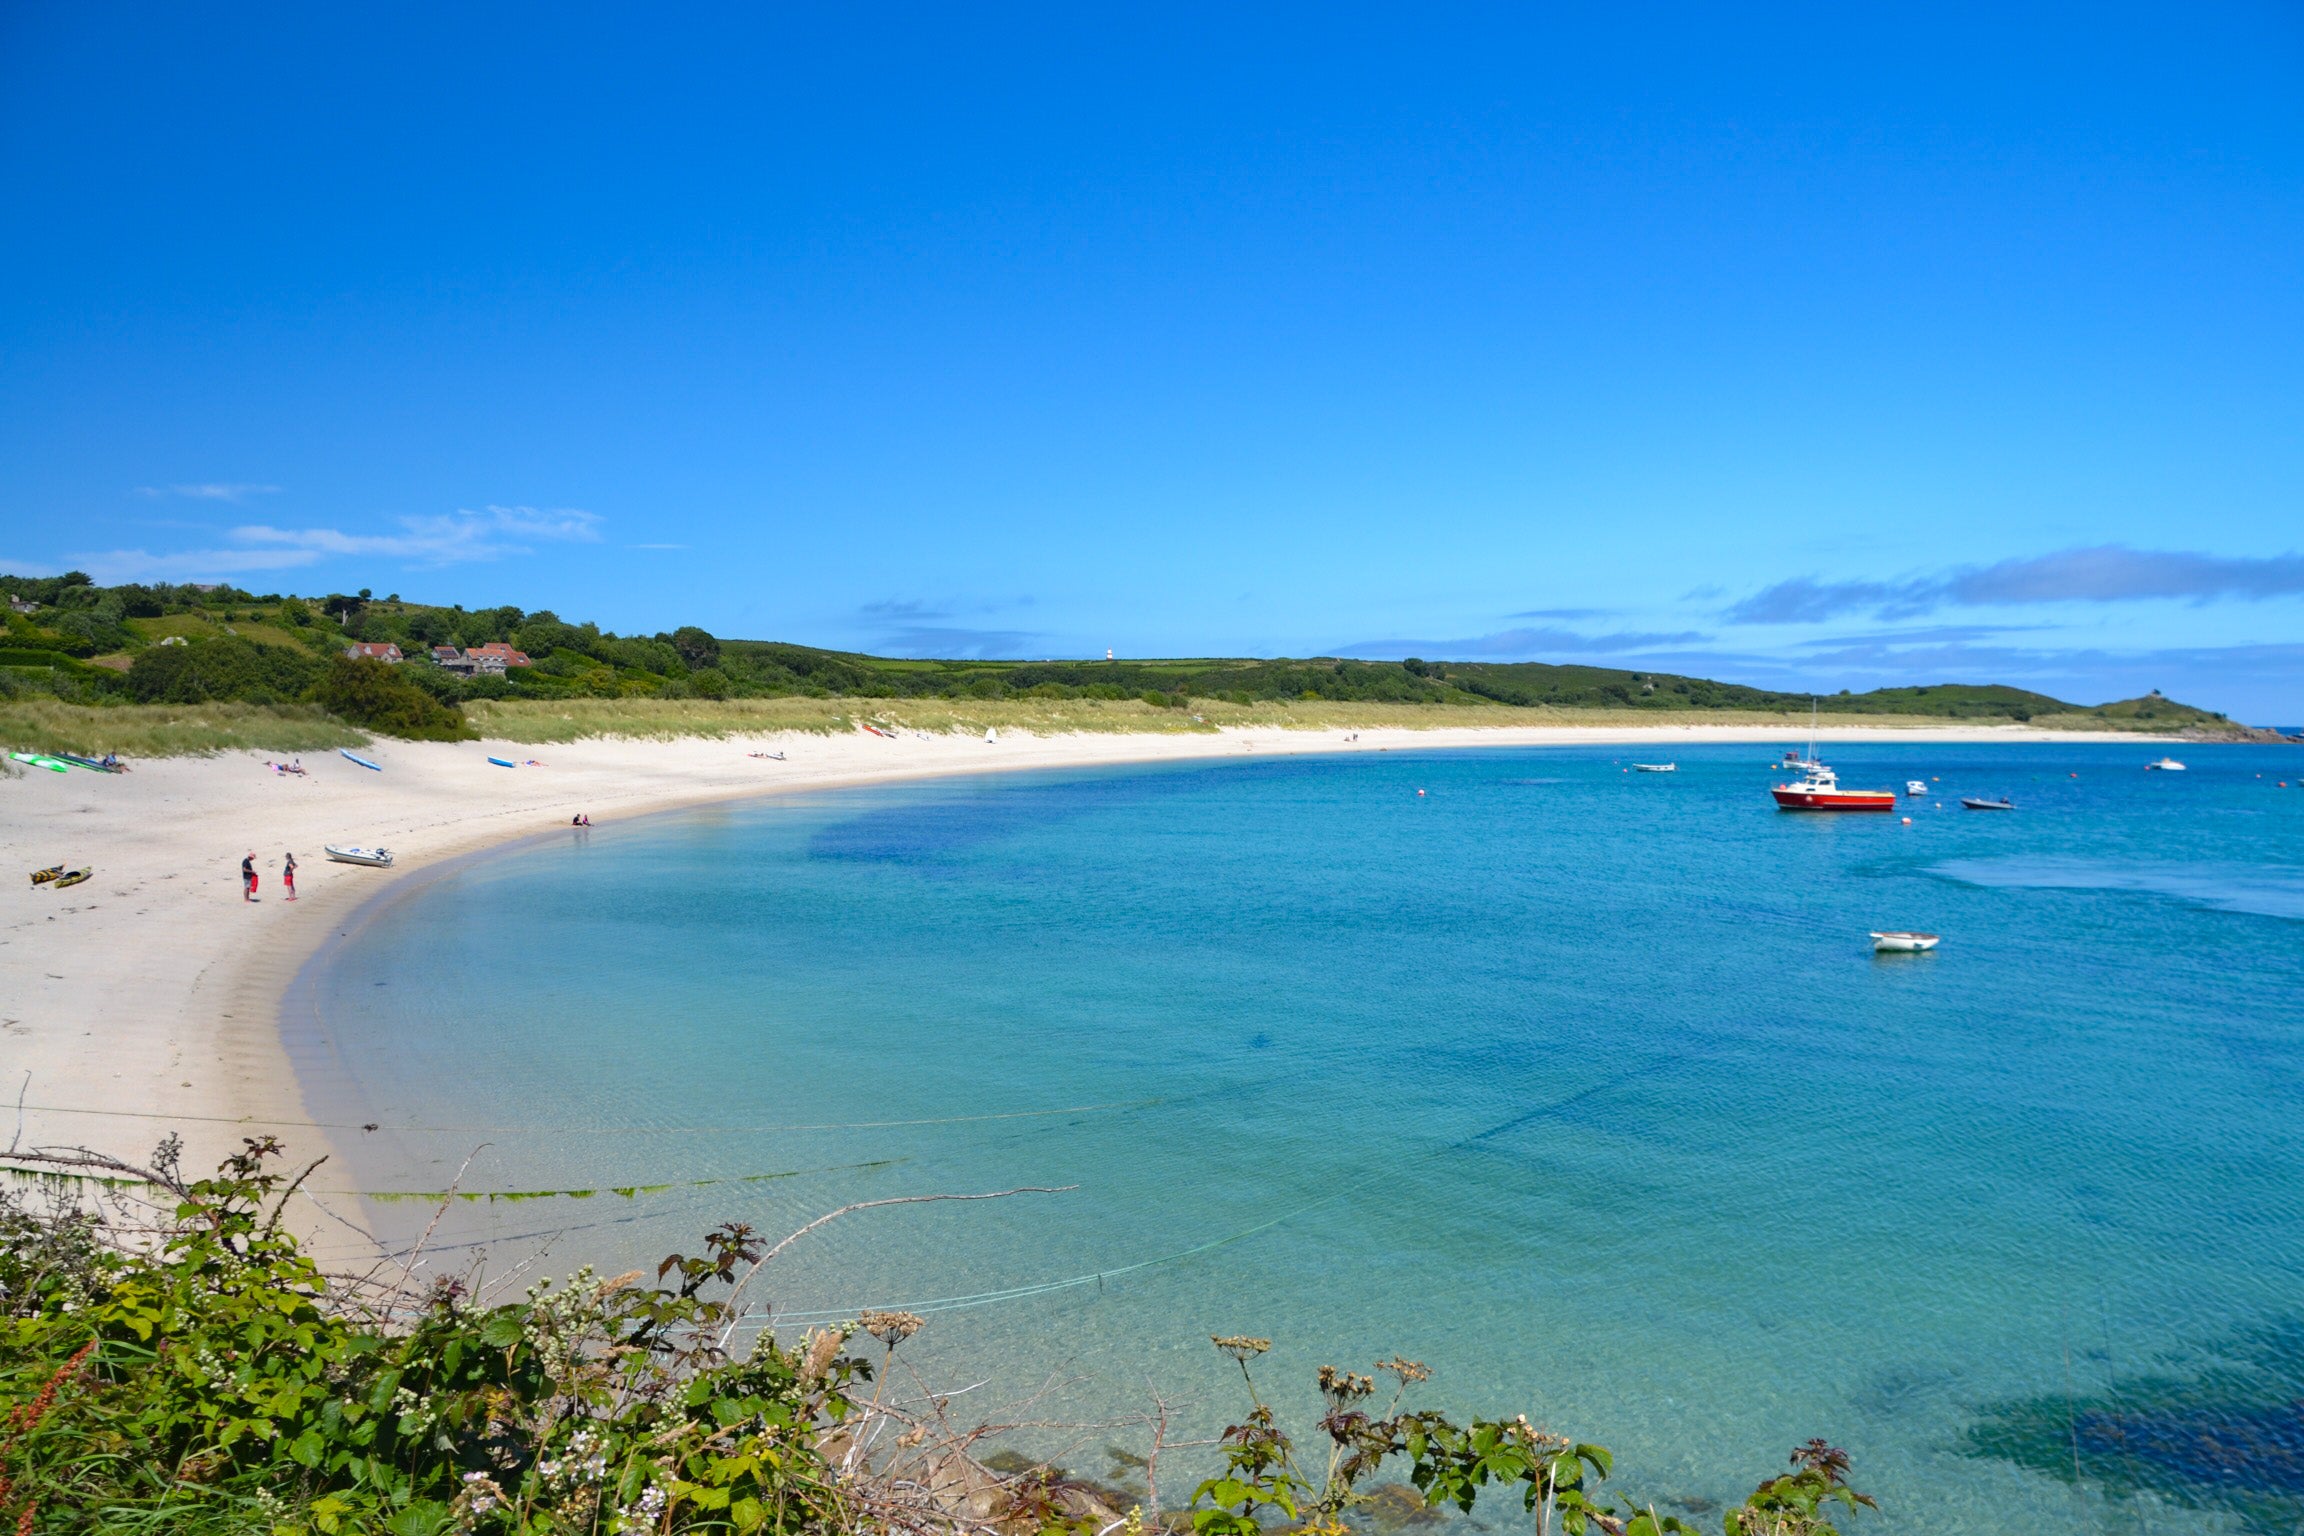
x=422 y=670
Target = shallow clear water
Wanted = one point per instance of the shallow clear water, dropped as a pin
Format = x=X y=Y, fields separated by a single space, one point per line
x=1581 y=1085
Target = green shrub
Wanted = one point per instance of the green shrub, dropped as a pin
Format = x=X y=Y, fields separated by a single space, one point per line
x=216 y=1381
x=18 y=656
x=372 y=694
x=225 y=667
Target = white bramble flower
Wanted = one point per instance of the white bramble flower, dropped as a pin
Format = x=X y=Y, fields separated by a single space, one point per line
x=646 y=1511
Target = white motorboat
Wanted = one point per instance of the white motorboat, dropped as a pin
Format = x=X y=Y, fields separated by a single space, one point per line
x=1916 y=788
x=374 y=858
x=1656 y=767
x=1898 y=942
x=2165 y=765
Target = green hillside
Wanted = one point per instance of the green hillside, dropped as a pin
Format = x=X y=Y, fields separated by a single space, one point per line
x=183 y=645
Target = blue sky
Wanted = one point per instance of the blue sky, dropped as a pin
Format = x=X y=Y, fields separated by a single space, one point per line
x=1803 y=348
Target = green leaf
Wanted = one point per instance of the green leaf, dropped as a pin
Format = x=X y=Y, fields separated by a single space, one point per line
x=422 y=1518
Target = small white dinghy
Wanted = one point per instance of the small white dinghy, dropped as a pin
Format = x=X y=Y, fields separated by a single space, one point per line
x=1895 y=942
x=374 y=858
x=1916 y=788
x=2165 y=765
x=1656 y=767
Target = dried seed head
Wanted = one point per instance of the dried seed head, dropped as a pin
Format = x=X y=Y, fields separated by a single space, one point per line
x=1240 y=1347
x=1342 y=1387
x=890 y=1328
x=823 y=1347
x=1541 y=1441
x=1409 y=1371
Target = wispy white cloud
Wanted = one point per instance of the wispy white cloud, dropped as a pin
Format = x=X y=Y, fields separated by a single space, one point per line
x=112 y=566
x=1527 y=644
x=2104 y=573
x=905 y=610
x=214 y=490
x=463 y=536
x=977 y=644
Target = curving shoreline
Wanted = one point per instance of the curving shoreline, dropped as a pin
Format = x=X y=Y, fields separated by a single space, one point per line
x=149 y=1001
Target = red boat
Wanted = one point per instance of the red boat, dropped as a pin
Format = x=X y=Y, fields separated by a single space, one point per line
x=1820 y=791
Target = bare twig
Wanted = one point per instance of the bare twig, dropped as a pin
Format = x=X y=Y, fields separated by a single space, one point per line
x=448 y=1198
x=293 y=1185
x=736 y=1296
x=1159 y=1443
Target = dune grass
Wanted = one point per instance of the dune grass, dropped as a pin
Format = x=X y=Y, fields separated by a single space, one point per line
x=185 y=730
x=542 y=722
x=170 y=730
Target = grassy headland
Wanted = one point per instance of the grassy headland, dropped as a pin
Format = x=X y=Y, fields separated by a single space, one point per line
x=158 y=670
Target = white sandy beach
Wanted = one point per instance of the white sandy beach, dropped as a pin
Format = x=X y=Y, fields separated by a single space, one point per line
x=146 y=1000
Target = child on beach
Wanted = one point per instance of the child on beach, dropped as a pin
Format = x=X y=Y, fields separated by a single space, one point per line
x=288 y=875
x=248 y=876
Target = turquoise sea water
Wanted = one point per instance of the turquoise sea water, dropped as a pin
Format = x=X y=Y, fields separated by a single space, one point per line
x=1582 y=1086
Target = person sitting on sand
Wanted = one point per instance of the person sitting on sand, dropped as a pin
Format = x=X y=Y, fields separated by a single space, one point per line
x=248 y=876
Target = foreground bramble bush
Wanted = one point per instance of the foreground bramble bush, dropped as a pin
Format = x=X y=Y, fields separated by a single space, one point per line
x=218 y=1383
x=198 y=1374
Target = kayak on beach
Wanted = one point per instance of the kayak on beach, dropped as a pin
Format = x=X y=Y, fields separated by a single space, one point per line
x=350 y=756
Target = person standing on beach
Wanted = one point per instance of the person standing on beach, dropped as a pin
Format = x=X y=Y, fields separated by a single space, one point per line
x=288 y=875
x=248 y=876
